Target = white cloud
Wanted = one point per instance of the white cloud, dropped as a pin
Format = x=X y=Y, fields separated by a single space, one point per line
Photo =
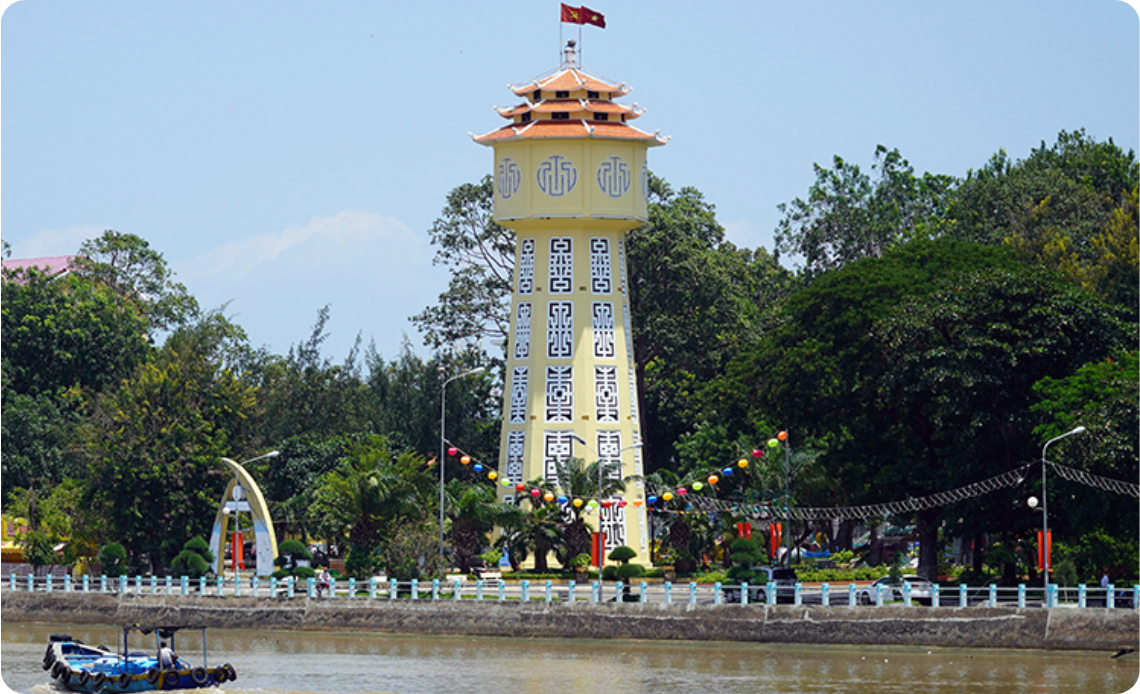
x=47 y=243
x=323 y=239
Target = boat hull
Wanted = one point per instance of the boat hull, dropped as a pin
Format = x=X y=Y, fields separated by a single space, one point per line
x=97 y=670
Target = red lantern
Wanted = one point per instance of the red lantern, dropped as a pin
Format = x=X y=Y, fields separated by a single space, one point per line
x=757 y=453
x=607 y=503
x=520 y=487
x=452 y=451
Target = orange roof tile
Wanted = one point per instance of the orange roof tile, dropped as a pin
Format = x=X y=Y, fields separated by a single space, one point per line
x=569 y=129
x=571 y=79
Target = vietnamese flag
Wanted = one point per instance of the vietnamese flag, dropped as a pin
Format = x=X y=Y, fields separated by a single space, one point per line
x=571 y=15
x=590 y=17
x=582 y=15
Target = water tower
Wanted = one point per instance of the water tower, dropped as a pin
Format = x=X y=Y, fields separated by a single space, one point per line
x=571 y=178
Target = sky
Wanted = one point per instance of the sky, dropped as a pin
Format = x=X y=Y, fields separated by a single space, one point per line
x=284 y=155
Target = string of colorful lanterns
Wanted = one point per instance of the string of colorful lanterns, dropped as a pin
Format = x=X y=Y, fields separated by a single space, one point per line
x=712 y=478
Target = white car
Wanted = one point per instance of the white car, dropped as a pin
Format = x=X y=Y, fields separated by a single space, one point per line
x=920 y=590
x=782 y=580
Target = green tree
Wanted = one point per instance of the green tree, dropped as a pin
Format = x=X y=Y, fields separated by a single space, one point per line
x=153 y=443
x=139 y=275
x=481 y=255
x=848 y=215
x=474 y=511
x=194 y=560
x=534 y=532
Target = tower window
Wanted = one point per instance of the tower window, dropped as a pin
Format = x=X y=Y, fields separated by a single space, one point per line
x=538 y=95
x=591 y=95
x=525 y=117
x=560 y=116
x=601 y=116
x=562 y=95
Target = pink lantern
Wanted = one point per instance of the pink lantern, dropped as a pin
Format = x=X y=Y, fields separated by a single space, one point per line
x=682 y=491
x=622 y=503
x=757 y=453
x=452 y=451
x=535 y=492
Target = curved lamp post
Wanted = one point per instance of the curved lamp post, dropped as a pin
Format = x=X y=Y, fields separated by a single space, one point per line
x=443 y=442
x=1045 y=508
x=263 y=525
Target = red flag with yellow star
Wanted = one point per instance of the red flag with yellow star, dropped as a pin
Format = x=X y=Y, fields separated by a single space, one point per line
x=571 y=15
x=591 y=17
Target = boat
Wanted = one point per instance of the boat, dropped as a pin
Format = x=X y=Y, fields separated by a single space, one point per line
x=100 y=670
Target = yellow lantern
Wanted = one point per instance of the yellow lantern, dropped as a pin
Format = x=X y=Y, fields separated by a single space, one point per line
x=667 y=496
x=577 y=503
x=492 y=475
x=742 y=463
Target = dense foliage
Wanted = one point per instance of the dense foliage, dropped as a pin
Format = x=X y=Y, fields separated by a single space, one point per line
x=933 y=331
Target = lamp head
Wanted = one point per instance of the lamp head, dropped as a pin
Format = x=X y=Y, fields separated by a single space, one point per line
x=1032 y=502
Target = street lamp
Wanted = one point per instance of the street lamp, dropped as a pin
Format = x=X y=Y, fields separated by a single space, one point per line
x=237 y=496
x=443 y=443
x=1045 y=508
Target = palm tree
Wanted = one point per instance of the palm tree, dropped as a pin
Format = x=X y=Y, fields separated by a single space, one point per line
x=473 y=511
x=536 y=531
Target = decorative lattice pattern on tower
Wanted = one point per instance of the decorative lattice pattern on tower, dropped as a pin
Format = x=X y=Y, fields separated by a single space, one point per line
x=556 y=175
x=603 y=330
x=606 y=394
x=522 y=330
x=561 y=265
x=559 y=393
x=520 y=378
x=600 y=280
x=526 y=266
x=560 y=330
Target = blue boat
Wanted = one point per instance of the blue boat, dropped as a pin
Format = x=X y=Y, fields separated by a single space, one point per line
x=100 y=670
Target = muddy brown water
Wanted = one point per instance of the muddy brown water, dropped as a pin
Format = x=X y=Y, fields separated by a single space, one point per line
x=307 y=662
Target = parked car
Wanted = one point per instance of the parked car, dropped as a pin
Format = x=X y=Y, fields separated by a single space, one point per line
x=780 y=579
x=921 y=590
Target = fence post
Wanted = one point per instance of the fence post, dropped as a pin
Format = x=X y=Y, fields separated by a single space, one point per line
x=457 y=590
x=185 y=584
x=596 y=591
x=221 y=586
x=963 y=601
x=1083 y=595
x=167 y=582
x=154 y=585
x=643 y=589
x=31 y=582
x=879 y=595
x=479 y=589
x=716 y=593
x=393 y=588
x=138 y=585
x=86 y=583
x=1110 y=597
x=692 y=592
x=292 y=586
x=435 y=589
x=12 y=580
x=906 y=594
x=237 y=586
x=123 y=580
x=743 y=592
x=799 y=594
x=993 y=596
x=934 y=595
x=254 y=584
x=549 y=587
x=502 y=590
x=102 y=583
x=201 y=585
x=67 y=583
x=619 y=592
x=352 y=587
x=415 y=589
x=48 y=581
x=525 y=586
x=668 y=593
x=272 y=586
x=310 y=587
x=570 y=586
x=824 y=598
x=1021 y=594
x=851 y=599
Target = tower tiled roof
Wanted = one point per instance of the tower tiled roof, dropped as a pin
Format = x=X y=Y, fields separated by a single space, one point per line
x=569 y=103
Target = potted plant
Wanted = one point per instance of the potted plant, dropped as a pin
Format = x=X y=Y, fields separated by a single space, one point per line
x=579 y=564
x=669 y=557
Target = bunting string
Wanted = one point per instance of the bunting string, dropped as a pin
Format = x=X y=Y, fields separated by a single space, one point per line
x=1091 y=480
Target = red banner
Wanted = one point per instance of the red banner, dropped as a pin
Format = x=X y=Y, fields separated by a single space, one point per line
x=582 y=15
x=1044 y=551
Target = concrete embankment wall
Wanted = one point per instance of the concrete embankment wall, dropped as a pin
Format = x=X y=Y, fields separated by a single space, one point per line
x=973 y=627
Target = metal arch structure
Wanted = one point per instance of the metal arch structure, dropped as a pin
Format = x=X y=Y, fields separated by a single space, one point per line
x=262 y=523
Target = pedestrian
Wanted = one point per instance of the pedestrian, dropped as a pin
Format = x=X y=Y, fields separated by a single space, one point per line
x=323 y=581
x=1104 y=581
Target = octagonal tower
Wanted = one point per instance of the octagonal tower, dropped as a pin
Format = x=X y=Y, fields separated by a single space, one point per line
x=571 y=178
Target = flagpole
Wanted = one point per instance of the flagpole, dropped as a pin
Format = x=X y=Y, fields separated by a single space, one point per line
x=579 y=45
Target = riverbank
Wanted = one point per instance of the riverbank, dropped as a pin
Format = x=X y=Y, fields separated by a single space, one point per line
x=1061 y=628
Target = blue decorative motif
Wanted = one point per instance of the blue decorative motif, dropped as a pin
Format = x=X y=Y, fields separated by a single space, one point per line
x=614 y=176
x=645 y=179
x=556 y=175
x=509 y=177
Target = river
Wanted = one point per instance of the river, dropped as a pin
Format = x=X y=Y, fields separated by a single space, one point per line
x=286 y=662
